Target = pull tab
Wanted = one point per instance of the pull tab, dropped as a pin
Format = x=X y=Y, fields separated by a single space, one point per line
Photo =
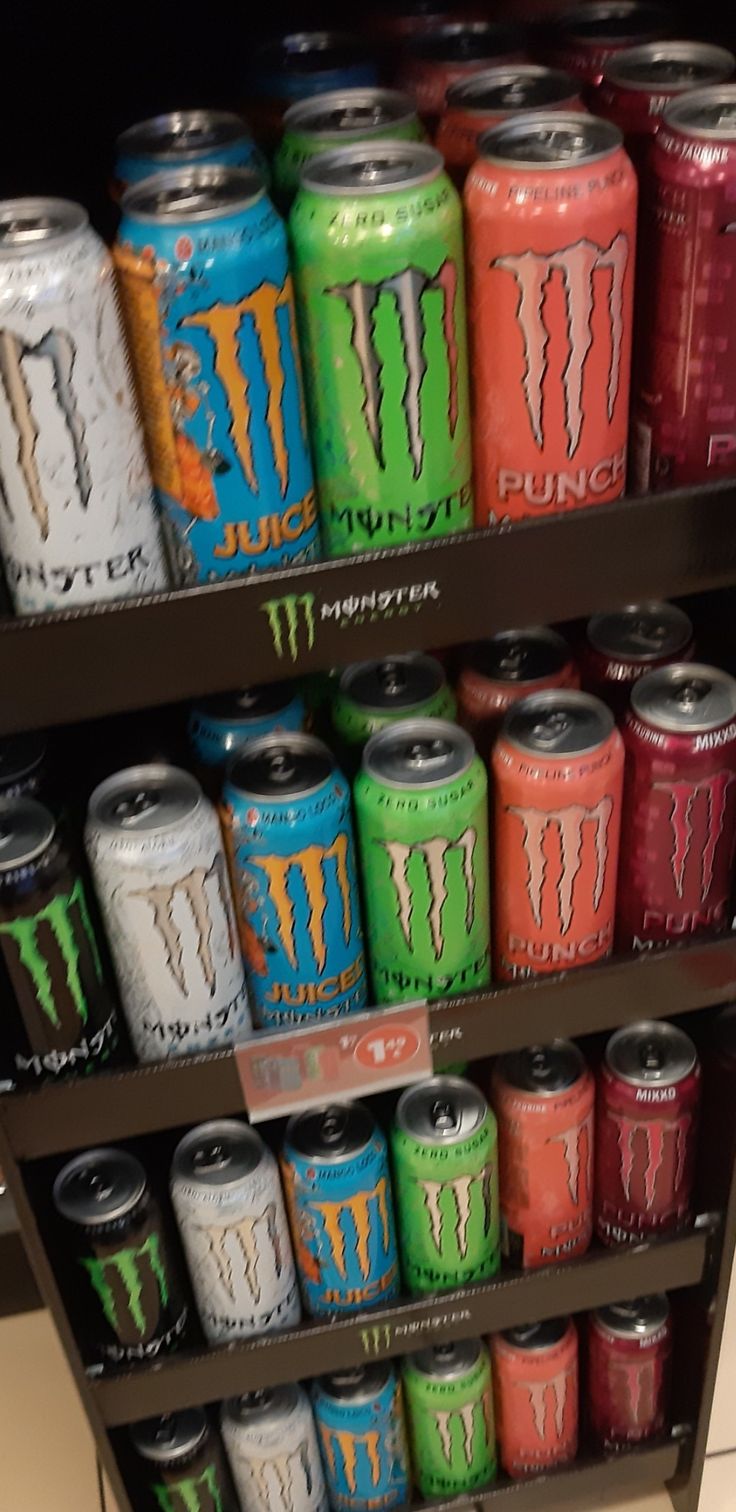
x=647 y=633
x=444 y=1117
x=550 y=730
x=281 y=766
x=690 y=694
x=392 y=677
x=165 y=1434
x=334 y=1125
x=540 y=1063
x=99 y=1188
x=127 y=810
x=424 y=754
x=513 y=660
x=211 y=1157
x=444 y=1353
x=651 y=1058
x=247 y=699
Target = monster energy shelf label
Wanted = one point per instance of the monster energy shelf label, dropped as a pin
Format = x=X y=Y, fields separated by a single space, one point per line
x=121 y=1282
x=60 y=1016
x=227 y=1197
x=446 y=1167
x=271 y=1442
x=422 y=816
x=360 y=1422
x=374 y=694
x=182 y=1465
x=157 y=857
x=450 y=1408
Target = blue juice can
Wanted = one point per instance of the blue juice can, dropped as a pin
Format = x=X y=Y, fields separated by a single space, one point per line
x=183 y=139
x=220 y=725
x=209 y=309
x=337 y=1185
x=289 y=833
x=360 y=1423
x=297 y=66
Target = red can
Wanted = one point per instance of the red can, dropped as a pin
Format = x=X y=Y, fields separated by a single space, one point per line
x=629 y=1371
x=543 y=1100
x=646 y=1133
x=536 y=1399
x=639 y=82
x=496 y=673
x=453 y=52
x=551 y=227
x=475 y=104
x=585 y=38
x=684 y=410
x=676 y=870
x=558 y=774
x=414 y=18
x=623 y=646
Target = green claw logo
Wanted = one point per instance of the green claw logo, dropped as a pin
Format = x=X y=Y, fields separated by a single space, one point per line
x=199 y=1493
x=284 y=619
x=126 y=1265
x=58 y=915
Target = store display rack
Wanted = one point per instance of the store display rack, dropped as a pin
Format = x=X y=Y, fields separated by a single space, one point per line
x=18 y=1290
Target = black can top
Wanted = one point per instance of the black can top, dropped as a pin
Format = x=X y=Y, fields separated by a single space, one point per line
x=221 y=1153
x=686 y=698
x=32 y=224
x=348 y=112
x=519 y=656
x=372 y=168
x=338 y=1131
x=268 y=1407
x=144 y=800
x=306 y=52
x=189 y=194
x=20 y=757
x=651 y=1054
x=419 y=753
x=641 y=632
x=99 y=1187
x=182 y=134
x=399 y=682
x=638 y=1319
x=466 y=41
x=359 y=1385
x=520 y=86
x=708 y=113
x=560 y=139
x=448 y=1362
x=614 y=20
x=245 y=705
x=280 y=767
x=543 y=1069
x=26 y=831
x=557 y=723
x=164 y=1440
x=537 y=1336
x=443 y=1110
x=671 y=67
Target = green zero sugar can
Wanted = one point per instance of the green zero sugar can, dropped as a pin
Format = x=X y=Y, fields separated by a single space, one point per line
x=445 y=1152
x=449 y=1403
x=378 y=260
x=421 y=811
x=339 y=118
x=373 y=694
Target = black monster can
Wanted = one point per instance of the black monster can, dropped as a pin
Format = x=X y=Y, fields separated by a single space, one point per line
x=182 y=1464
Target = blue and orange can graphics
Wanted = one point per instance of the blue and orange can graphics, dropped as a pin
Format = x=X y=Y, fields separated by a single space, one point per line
x=184 y=139
x=362 y=1437
x=209 y=309
x=289 y=835
x=219 y=725
x=338 y=1194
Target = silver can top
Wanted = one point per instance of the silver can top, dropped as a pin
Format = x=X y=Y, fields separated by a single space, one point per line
x=281 y=767
x=443 y=1110
x=448 y=1362
x=534 y=1337
x=544 y=1070
x=182 y=134
x=349 y=113
x=601 y=21
x=708 y=113
x=512 y=88
x=651 y=1054
x=193 y=194
x=99 y=1187
x=557 y=723
x=639 y=1319
x=687 y=698
x=220 y=1153
x=669 y=67
x=466 y=41
x=399 y=682
x=271 y=1406
x=359 y=1385
x=245 y=705
x=560 y=139
x=519 y=656
x=35 y=224
x=338 y=1131
x=372 y=168
x=26 y=830
x=418 y=753
x=164 y=1440
x=641 y=632
x=144 y=800
x=20 y=755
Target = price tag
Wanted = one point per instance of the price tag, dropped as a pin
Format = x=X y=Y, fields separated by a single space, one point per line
x=349 y=1057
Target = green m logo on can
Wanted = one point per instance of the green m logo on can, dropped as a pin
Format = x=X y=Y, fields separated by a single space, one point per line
x=290 y=620
x=200 y=1493
x=60 y=916
x=124 y=1277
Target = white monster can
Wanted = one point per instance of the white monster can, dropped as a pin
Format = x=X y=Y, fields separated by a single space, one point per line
x=155 y=848
x=227 y=1197
x=77 y=517
x=271 y=1443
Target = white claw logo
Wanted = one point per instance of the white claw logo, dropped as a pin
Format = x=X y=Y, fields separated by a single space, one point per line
x=538 y=1400
x=434 y=855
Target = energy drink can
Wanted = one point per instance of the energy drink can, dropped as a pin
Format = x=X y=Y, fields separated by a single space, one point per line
x=558 y=771
x=183 y=139
x=623 y=646
x=535 y=1391
x=444 y=1147
x=485 y=99
x=286 y=813
x=122 y=1282
x=23 y=771
x=374 y=694
x=435 y=60
x=449 y=1402
x=157 y=859
x=338 y=119
x=379 y=270
x=183 y=1465
x=646 y=1133
x=586 y=38
x=422 y=814
x=543 y=1100
x=207 y=295
x=298 y=66
x=226 y=1194
x=496 y=673
x=338 y=1191
x=397 y=24
x=639 y=82
x=271 y=1443
x=629 y=1371
x=360 y=1422
x=220 y=725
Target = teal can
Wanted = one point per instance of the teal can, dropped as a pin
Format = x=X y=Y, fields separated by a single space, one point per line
x=184 y=139
x=360 y=1423
x=220 y=725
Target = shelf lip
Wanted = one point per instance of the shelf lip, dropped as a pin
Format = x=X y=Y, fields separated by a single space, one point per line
x=148 y=1099
x=138 y=653
x=339 y=1344
x=578 y=1486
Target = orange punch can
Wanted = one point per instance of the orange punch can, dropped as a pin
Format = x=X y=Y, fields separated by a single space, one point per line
x=551 y=235
x=543 y=1099
x=475 y=104
x=536 y=1397
x=558 y=776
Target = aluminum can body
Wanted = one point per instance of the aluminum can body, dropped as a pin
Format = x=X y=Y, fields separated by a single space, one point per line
x=226 y=1193
x=80 y=524
x=535 y=1391
x=360 y=1423
x=181 y=1460
x=551 y=249
x=271 y=1443
x=209 y=309
x=473 y=105
x=288 y=828
x=496 y=673
x=219 y=725
x=543 y=1099
x=300 y=65
x=639 y=82
x=422 y=814
x=646 y=1133
x=585 y=39
x=379 y=270
x=449 y=1400
x=623 y=646
x=337 y=119
x=338 y=1191
x=371 y=695
x=432 y=62
x=160 y=873
x=184 y=139
x=445 y=1154
x=558 y=773
x=629 y=1371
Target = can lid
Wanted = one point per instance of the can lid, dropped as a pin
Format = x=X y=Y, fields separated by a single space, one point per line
x=560 y=139
x=252 y=1407
x=465 y=41
x=244 y=705
x=334 y=1132
x=709 y=113
x=448 y=1362
x=281 y=766
x=670 y=66
x=398 y=682
x=543 y=1069
x=359 y=1385
x=306 y=51
x=99 y=1187
x=418 y=753
x=193 y=194
x=443 y=1110
x=372 y=168
x=610 y=20
x=172 y=1437
x=218 y=1154
x=559 y=722
x=144 y=800
x=686 y=697
x=32 y=222
x=638 y=1319
x=182 y=134
x=26 y=828
x=651 y=1054
x=537 y=1336
x=345 y=112
x=522 y=86
x=641 y=632
x=519 y=656
x=19 y=756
